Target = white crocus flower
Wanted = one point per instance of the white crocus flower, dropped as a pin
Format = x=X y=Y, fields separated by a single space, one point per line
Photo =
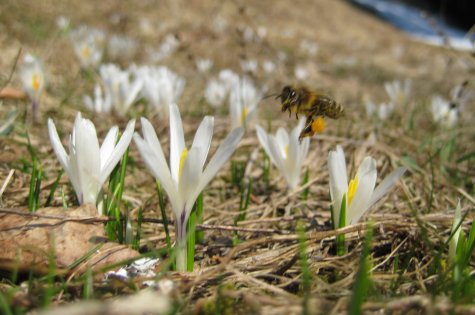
x=204 y=65
x=243 y=101
x=310 y=47
x=88 y=165
x=398 y=92
x=215 y=93
x=161 y=86
x=301 y=72
x=122 y=89
x=268 y=66
x=33 y=80
x=460 y=95
x=121 y=47
x=63 y=23
x=382 y=111
x=100 y=103
x=249 y=65
x=169 y=45
x=443 y=112
x=285 y=151
x=229 y=78
x=88 y=44
x=360 y=193
x=185 y=177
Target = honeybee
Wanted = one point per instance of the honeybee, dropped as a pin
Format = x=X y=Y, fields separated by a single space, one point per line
x=315 y=106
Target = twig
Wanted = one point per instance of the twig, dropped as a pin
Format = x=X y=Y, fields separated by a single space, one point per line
x=13 y=69
x=6 y=182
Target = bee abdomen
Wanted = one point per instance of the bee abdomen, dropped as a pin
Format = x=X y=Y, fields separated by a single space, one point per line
x=335 y=111
x=328 y=107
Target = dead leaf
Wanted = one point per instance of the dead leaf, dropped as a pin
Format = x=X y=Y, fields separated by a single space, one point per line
x=144 y=302
x=28 y=240
x=12 y=93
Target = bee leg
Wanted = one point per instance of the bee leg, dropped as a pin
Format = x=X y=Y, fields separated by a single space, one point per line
x=307 y=130
x=305 y=133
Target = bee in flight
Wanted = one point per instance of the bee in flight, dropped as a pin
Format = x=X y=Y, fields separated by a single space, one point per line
x=313 y=105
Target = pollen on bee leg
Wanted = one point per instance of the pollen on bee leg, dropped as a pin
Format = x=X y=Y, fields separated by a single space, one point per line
x=318 y=125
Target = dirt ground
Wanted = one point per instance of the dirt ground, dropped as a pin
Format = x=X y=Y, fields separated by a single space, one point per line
x=356 y=54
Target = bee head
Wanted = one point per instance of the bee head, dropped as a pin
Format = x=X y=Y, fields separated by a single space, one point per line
x=288 y=97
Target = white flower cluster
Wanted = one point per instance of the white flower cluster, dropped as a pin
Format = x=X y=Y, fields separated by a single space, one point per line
x=161 y=86
x=169 y=45
x=447 y=112
x=399 y=94
x=119 y=89
x=88 y=44
x=121 y=47
x=243 y=96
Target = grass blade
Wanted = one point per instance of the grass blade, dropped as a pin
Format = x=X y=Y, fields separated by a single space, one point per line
x=362 y=281
x=163 y=212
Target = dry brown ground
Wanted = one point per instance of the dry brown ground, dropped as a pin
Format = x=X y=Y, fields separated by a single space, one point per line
x=357 y=54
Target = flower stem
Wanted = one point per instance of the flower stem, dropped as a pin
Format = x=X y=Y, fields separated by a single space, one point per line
x=191 y=240
x=180 y=247
x=163 y=211
x=199 y=217
x=34 y=110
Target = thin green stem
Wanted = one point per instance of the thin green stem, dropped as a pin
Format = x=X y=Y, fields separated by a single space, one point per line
x=199 y=218
x=191 y=225
x=163 y=212
x=340 y=238
x=304 y=265
x=304 y=194
x=53 y=188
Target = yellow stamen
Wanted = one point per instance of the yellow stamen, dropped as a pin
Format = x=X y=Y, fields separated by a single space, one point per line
x=287 y=150
x=352 y=187
x=184 y=153
x=244 y=113
x=318 y=125
x=35 y=82
x=85 y=52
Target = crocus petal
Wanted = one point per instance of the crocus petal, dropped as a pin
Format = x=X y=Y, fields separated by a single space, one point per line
x=294 y=161
x=118 y=151
x=133 y=91
x=251 y=111
x=386 y=185
x=282 y=140
x=224 y=151
x=202 y=139
x=88 y=164
x=88 y=102
x=190 y=176
x=304 y=147
x=235 y=110
x=58 y=146
x=276 y=152
x=159 y=170
x=264 y=140
x=108 y=144
x=366 y=181
x=338 y=180
x=151 y=140
x=177 y=141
